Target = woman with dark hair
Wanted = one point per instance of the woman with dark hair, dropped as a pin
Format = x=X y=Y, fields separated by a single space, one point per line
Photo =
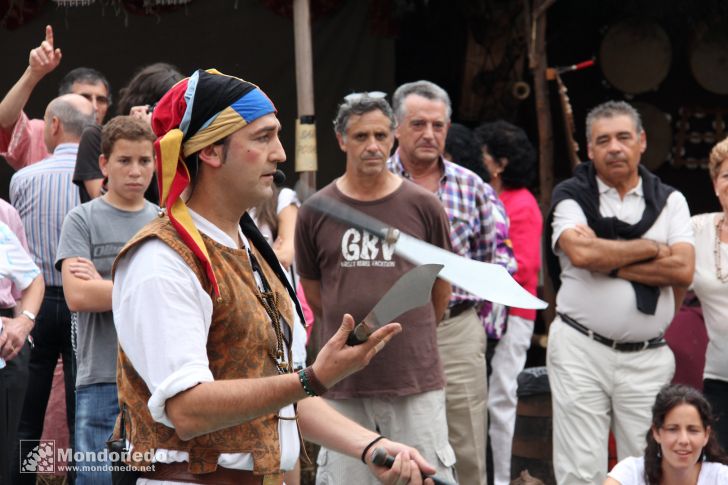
x=462 y=148
x=147 y=86
x=509 y=157
x=144 y=89
x=681 y=449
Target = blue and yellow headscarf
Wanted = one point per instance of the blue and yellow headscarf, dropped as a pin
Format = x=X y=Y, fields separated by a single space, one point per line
x=195 y=113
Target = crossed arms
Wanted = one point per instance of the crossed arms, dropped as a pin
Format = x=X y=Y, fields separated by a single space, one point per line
x=640 y=260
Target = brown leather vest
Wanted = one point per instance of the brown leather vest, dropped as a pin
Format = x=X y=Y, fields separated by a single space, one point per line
x=238 y=345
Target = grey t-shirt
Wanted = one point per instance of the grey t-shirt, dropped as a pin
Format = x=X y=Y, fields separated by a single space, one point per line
x=97 y=231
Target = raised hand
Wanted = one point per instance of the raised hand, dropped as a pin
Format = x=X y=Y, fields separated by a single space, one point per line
x=44 y=58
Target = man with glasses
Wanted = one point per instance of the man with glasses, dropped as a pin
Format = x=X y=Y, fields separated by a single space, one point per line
x=21 y=138
x=345 y=269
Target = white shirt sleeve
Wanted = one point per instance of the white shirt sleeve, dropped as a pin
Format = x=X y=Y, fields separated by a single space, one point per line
x=567 y=215
x=286 y=197
x=629 y=471
x=15 y=263
x=681 y=229
x=162 y=317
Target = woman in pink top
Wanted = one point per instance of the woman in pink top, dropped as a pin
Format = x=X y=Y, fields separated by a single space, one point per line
x=510 y=159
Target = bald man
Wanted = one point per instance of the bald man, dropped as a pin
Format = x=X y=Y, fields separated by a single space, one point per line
x=43 y=193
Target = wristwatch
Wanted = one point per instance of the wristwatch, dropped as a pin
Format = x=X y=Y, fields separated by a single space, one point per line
x=30 y=315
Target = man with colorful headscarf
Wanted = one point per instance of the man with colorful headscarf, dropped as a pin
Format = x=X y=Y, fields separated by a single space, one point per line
x=203 y=311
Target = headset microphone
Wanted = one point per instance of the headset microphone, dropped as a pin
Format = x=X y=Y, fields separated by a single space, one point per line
x=279 y=177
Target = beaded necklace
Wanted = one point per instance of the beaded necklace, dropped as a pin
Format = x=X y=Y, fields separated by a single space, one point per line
x=723 y=278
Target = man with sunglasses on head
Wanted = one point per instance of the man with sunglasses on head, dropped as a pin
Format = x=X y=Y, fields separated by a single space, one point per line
x=345 y=269
x=21 y=138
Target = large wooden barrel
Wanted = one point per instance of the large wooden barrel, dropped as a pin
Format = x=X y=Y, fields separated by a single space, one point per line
x=532 y=437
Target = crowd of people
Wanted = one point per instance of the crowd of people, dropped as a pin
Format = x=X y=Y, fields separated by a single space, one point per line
x=154 y=254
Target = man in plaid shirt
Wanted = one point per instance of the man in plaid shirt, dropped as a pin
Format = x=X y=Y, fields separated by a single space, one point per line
x=423 y=114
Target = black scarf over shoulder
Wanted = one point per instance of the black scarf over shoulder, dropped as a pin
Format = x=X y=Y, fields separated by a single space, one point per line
x=251 y=231
x=583 y=189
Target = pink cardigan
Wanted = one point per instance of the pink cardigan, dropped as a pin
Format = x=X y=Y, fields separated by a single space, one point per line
x=525 y=230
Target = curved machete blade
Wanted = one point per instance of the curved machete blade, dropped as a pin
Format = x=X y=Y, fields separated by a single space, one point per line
x=487 y=281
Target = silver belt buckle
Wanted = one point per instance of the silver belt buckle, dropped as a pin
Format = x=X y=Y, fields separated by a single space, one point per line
x=646 y=344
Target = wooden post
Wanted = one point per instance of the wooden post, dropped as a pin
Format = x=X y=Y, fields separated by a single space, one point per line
x=306 y=161
x=538 y=65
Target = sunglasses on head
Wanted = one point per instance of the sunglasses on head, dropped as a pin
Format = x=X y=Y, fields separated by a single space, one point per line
x=353 y=97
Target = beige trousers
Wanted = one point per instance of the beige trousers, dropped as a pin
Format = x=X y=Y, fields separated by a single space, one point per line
x=462 y=344
x=594 y=388
x=417 y=420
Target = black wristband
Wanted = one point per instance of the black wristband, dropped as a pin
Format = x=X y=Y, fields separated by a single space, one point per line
x=303 y=379
x=366 y=450
x=313 y=383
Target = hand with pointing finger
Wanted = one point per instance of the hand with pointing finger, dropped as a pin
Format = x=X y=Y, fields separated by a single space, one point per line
x=44 y=58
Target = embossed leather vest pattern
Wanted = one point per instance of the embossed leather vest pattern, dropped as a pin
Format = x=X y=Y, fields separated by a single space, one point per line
x=238 y=345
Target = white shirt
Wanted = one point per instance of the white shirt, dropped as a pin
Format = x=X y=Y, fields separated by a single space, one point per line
x=608 y=306
x=286 y=197
x=712 y=293
x=162 y=317
x=631 y=471
x=15 y=262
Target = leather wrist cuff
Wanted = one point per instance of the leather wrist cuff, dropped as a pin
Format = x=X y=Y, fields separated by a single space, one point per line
x=314 y=383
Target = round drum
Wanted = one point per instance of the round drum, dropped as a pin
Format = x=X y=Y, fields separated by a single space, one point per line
x=635 y=55
x=657 y=127
x=709 y=58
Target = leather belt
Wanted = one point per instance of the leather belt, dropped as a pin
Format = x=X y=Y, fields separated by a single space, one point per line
x=179 y=472
x=458 y=308
x=620 y=346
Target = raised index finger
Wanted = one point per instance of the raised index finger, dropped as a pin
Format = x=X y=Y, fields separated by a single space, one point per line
x=49 y=35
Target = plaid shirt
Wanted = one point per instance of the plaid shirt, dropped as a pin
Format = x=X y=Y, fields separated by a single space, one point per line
x=478 y=222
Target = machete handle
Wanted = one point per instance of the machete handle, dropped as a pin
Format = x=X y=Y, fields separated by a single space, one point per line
x=353 y=339
x=359 y=335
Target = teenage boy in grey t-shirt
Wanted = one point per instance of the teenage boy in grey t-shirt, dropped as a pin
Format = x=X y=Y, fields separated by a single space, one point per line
x=92 y=235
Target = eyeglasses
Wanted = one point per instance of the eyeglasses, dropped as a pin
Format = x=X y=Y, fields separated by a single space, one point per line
x=354 y=97
x=99 y=99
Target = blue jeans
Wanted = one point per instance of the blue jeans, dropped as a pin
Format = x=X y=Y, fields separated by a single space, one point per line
x=97 y=406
